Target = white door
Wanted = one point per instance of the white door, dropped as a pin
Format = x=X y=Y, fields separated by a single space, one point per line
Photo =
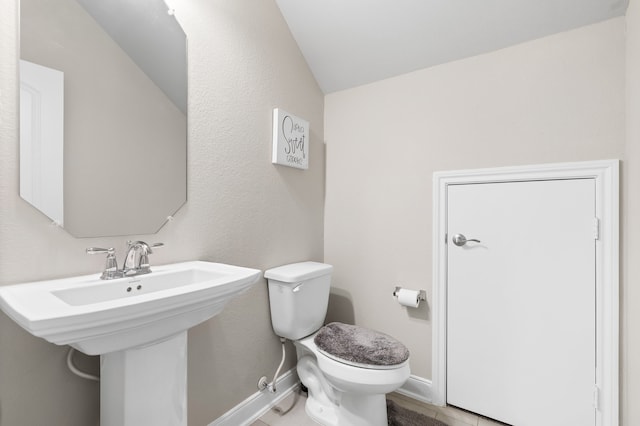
x=521 y=302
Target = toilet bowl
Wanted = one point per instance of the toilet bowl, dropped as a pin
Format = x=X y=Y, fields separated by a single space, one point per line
x=355 y=377
x=347 y=369
x=352 y=393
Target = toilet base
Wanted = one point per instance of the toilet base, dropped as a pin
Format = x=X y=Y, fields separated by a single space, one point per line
x=354 y=410
x=362 y=410
x=322 y=414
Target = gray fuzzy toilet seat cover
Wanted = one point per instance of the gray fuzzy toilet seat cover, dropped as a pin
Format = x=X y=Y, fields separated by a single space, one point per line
x=360 y=345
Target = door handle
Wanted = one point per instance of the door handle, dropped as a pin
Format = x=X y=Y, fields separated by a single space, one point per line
x=461 y=240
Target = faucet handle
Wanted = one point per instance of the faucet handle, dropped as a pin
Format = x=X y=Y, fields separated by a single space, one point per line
x=155 y=245
x=111 y=266
x=144 y=257
x=97 y=250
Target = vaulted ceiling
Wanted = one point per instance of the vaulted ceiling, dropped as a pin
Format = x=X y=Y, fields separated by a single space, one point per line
x=348 y=43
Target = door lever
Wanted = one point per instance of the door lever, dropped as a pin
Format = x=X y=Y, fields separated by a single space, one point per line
x=461 y=240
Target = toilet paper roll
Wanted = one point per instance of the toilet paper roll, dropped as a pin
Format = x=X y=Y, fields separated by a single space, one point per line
x=410 y=298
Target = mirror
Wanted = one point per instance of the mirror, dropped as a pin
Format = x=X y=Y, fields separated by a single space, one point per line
x=103 y=124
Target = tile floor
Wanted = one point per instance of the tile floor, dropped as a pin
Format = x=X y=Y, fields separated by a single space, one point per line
x=295 y=415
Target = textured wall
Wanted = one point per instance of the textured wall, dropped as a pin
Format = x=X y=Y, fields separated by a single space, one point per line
x=556 y=99
x=630 y=292
x=241 y=209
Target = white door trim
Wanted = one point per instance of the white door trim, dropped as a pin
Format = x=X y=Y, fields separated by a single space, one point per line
x=606 y=175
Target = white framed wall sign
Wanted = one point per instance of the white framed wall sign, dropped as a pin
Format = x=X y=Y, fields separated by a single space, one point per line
x=290 y=140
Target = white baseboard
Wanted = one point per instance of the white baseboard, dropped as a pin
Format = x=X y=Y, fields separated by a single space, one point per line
x=254 y=407
x=417 y=388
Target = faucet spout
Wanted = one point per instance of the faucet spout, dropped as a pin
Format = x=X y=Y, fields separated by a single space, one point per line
x=138 y=250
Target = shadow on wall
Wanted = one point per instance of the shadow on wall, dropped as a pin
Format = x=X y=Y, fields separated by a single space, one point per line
x=422 y=312
x=340 y=307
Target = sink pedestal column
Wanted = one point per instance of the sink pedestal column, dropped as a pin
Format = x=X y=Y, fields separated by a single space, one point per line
x=145 y=385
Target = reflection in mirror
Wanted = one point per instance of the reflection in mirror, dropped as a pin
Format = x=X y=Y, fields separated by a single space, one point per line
x=102 y=114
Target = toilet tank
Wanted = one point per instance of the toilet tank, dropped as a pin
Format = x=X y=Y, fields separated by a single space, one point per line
x=298 y=297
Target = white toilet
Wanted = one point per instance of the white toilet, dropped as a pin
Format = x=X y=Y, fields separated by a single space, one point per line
x=347 y=369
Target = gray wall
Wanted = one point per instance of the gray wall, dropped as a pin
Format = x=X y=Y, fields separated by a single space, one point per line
x=630 y=236
x=241 y=209
x=556 y=99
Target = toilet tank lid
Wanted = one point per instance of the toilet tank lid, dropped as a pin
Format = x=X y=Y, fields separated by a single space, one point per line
x=297 y=272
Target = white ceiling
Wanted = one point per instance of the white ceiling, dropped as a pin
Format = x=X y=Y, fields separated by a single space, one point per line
x=348 y=43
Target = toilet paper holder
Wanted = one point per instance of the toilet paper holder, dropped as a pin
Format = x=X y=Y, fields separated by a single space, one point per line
x=422 y=296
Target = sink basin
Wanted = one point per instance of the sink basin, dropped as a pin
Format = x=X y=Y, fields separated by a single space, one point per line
x=100 y=316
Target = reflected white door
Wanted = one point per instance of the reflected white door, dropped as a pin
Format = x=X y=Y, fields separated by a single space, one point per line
x=521 y=302
x=41 y=138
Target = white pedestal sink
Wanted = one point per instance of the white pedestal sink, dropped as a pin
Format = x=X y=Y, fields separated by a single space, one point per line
x=139 y=327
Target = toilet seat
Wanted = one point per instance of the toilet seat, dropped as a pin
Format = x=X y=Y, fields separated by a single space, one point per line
x=360 y=346
x=361 y=365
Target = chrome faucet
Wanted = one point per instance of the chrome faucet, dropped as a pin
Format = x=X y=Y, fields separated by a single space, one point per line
x=136 y=250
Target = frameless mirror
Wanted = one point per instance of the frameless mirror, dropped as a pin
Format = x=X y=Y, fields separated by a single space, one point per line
x=103 y=123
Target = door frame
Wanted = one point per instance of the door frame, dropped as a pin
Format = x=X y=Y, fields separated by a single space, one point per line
x=606 y=175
